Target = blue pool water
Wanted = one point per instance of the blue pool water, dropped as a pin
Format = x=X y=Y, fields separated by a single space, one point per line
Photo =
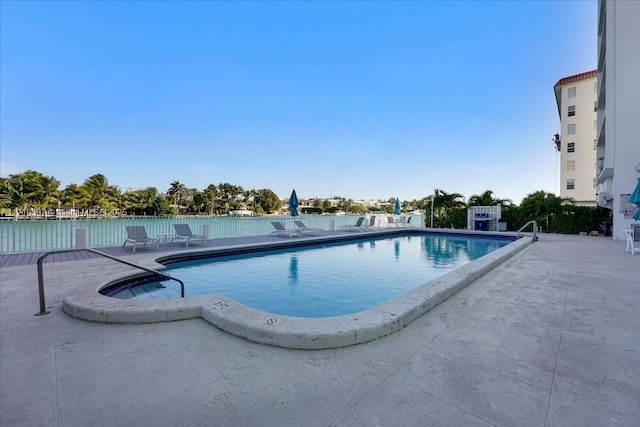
x=323 y=281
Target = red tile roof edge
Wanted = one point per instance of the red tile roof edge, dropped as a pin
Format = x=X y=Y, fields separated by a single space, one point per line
x=577 y=78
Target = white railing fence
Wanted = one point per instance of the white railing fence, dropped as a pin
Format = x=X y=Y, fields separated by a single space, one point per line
x=46 y=235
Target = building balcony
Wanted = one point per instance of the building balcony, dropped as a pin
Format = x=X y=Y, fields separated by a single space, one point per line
x=606 y=172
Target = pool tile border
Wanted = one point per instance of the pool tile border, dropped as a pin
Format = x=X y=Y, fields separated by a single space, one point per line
x=284 y=331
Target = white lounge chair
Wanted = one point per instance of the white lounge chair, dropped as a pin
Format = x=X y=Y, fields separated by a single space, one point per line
x=281 y=231
x=183 y=232
x=358 y=226
x=138 y=234
x=303 y=229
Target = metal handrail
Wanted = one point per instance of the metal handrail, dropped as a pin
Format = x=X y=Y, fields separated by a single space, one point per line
x=46 y=254
x=535 y=230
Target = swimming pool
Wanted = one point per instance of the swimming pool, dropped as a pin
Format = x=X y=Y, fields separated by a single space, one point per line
x=92 y=303
x=325 y=280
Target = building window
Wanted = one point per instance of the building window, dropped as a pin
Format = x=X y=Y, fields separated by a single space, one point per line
x=571 y=184
x=571 y=147
x=571 y=92
x=571 y=129
x=571 y=165
x=572 y=110
x=595 y=105
x=595 y=182
x=595 y=144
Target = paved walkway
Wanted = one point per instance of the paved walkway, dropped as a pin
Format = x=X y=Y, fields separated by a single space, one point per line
x=550 y=338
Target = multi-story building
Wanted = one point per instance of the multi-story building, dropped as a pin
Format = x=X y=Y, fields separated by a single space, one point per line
x=618 y=126
x=576 y=99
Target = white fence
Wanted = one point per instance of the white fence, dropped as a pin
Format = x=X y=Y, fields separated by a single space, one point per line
x=40 y=235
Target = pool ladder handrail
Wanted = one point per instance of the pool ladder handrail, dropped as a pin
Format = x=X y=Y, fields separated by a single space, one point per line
x=102 y=254
x=535 y=230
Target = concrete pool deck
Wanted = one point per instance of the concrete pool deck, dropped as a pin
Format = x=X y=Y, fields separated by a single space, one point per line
x=549 y=337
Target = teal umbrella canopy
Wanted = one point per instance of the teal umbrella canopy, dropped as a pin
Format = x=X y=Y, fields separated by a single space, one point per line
x=293 y=203
x=635 y=199
x=396 y=208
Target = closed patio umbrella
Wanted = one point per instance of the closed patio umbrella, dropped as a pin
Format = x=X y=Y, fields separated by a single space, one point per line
x=635 y=199
x=396 y=208
x=293 y=203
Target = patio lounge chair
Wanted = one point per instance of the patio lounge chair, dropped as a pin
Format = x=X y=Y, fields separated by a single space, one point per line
x=303 y=229
x=281 y=231
x=356 y=227
x=406 y=223
x=138 y=234
x=369 y=225
x=372 y=223
x=183 y=232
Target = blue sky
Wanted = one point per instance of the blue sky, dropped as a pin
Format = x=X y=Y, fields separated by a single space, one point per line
x=354 y=99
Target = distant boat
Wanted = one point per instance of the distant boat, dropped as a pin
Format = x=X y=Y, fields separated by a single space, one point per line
x=340 y=213
x=241 y=212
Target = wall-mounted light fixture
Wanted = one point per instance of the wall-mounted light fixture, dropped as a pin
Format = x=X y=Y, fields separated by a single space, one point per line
x=556 y=141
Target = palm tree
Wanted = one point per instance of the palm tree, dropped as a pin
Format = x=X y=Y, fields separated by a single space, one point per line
x=31 y=181
x=229 y=193
x=210 y=197
x=5 y=199
x=75 y=195
x=17 y=192
x=542 y=206
x=178 y=193
x=101 y=194
x=444 y=203
x=46 y=191
x=252 y=197
x=484 y=199
x=29 y=189
x=487 y=199
x=198 y=200
x=140 y=201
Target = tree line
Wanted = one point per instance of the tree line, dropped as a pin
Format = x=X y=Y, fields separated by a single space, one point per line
x=32 y=189
x=553 y=214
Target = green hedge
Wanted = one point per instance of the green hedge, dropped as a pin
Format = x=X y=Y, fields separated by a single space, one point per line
x=571 y=220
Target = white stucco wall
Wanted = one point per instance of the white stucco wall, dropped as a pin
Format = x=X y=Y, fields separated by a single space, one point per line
x=620 y=141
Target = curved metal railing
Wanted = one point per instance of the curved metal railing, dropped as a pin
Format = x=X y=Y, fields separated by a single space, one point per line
x=102 y=254
x=535 y=230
